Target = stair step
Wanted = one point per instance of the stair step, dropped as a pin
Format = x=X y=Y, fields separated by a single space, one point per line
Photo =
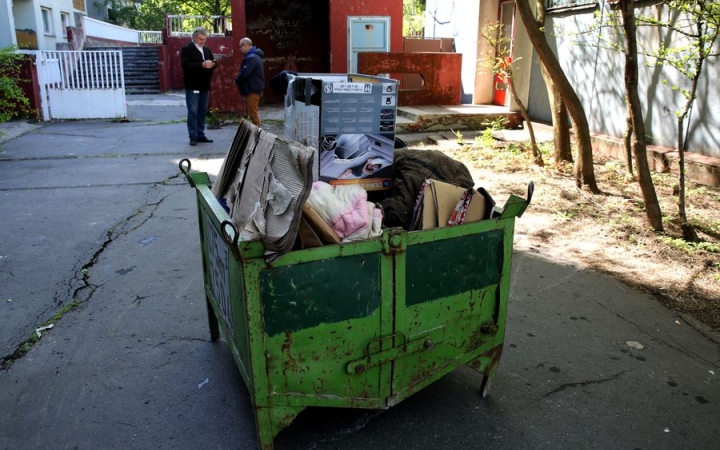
x=140 y=67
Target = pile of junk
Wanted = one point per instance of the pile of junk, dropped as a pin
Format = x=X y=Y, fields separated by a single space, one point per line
x=272 y=191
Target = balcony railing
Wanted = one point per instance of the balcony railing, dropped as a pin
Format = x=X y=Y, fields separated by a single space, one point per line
x=26 y=39
x=149 y=37
x=180 y=25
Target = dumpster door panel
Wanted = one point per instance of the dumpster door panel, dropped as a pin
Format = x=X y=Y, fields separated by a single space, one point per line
x=303 y=296
x=225 y=289
x=453 y=281
x=321 y=314
x=450 y=266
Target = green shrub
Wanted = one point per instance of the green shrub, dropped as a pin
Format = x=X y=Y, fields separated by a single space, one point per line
x=13 y=102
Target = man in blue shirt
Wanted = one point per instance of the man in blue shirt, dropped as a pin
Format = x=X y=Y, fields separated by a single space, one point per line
x=251 y=78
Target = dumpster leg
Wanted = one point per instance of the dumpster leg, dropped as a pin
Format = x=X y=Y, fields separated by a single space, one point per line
x=270 y=420
x=487 y=364
x=212 y=321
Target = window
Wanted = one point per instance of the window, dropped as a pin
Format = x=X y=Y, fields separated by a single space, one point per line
x=47 y=20
x=555 y=4
x=64 y=21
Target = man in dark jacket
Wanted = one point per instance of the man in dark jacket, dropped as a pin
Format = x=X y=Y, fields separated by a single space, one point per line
x=198 y=64
x=251 y=79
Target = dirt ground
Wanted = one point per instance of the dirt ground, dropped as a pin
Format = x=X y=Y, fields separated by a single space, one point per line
x=607 y=232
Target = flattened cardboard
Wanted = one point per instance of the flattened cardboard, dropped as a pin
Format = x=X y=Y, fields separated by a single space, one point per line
x=326 y=234
x=308 y=237
x=439 y=202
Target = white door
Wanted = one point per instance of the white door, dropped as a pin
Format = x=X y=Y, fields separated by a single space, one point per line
x=367 y=34
x=81 y=84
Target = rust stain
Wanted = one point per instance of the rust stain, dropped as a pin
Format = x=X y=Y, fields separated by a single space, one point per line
x=426 y=371
x=289 y=364
x=492 y=357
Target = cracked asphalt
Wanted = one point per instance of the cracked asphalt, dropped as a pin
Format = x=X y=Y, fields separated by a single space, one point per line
x=95 y=218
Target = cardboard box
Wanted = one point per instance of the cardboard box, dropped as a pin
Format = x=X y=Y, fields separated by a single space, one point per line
x=350 y=120
x=439 y=201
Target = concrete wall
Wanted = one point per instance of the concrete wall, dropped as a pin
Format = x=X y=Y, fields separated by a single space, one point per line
x=464 y=20
x=59 y=34
x=458 y=19
x=27 y=15
x=109 y=32
x=597 y=76
x=7 y=25
x=24 y=13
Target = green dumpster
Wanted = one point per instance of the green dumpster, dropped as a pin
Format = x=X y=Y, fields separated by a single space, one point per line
x=358 y=325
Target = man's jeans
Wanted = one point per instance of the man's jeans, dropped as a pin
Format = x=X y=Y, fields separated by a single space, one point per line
x=197 y=106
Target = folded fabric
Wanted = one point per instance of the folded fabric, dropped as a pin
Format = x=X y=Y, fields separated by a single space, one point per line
x=346 y=209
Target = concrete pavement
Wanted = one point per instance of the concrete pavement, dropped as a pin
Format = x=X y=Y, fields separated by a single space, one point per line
x=96 y=212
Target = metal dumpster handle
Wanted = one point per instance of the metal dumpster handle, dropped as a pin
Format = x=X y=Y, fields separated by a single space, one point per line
x=516 y=206
x=185 y=167
x=232 y=240
x=425 y=341
x=531 y=189
x=182 y=163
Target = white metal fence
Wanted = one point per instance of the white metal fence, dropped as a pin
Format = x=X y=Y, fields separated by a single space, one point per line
x=149 y=37
x=81 y=84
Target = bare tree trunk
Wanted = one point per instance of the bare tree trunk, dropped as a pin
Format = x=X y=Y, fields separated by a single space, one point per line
x=560 y=119
x=561 y=134
x=652 y=207
x=627 y=141
x=537 y=157
x=689 y=233
x=584 y=170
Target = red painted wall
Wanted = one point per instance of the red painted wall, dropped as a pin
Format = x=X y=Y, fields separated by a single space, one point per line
x=222 y=48
x=305 y=35
x=293 y=35
x=29 y=84
x=441 y=72
x=339 y=12
x=223 y=93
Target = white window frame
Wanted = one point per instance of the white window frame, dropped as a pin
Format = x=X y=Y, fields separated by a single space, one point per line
x=64 y=22
x=47 y=20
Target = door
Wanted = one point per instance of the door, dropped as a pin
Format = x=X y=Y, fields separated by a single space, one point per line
x=367 y=34
x=506 y=17
x=451 y=288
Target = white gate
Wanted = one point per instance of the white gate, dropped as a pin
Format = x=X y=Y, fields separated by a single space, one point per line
x=81 y=84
